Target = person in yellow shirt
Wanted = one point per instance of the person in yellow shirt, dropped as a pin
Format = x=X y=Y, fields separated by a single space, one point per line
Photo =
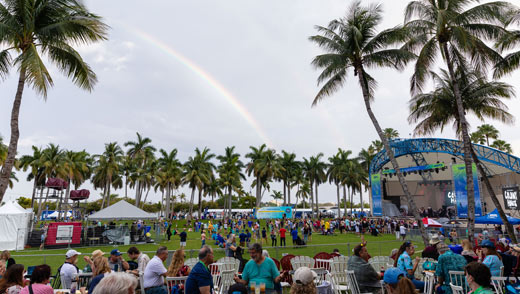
x=327 y=227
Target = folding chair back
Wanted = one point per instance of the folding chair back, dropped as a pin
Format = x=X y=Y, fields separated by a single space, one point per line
x=456 y=289
x=429 y=282
x=191 y=262
x=173 y=281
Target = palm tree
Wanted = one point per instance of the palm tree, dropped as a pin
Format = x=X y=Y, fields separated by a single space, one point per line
x=197 y=172
x=391 y=133
x=264 y=165
x=3 y=151
x=456 y=29
x=352 y=43
x=51 y=28
x=170 y=169
x=52 y=161
x=489 y=131
x=141 y=152
x=230 y=174
x=480 y=97
x=290 y=164
x=478 y=138
x=365 y=157
x=107 y=170
x=304 y=191
x=335 y=175
x=502 y=146
x=77 y=169
x=277 y=195
x=36 y=175
x=511 y=61
x=377 y=145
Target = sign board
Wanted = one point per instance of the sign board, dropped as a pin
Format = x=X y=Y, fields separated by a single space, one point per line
x=274 y=212
x=377 y=201
x=63 y=233
x=461 y=191
x=511 y=199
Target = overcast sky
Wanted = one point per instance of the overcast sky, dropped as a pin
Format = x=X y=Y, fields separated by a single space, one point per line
x=209 y=73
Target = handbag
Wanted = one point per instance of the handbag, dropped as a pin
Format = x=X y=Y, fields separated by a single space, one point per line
x=429 y=265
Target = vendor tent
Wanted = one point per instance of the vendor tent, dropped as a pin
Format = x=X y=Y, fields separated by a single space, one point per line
x=493 y=218
x=121 y=210
x=431 y=223
x=14 y=225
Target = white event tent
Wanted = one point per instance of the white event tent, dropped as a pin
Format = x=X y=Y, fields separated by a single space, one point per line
x=14 y=225
x=121 y=210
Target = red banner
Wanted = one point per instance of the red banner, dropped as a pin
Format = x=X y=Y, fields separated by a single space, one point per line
x=63 y=233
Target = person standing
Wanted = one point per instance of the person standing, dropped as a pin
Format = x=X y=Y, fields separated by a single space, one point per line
x=282 y=236
x=155 y=272
x=273 y=237
x=402 y=231
x=183 y=235
x=169 y=231
x=200 y=280
x=202 y=238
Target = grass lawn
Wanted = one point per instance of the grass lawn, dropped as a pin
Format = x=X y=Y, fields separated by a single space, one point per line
x=381 y=245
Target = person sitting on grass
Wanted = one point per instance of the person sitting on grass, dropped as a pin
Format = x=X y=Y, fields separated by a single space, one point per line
x=101 y=268
x=12 y=282
x=39 y=283
x=448 y=261
x=367 y=277
x=478 y=277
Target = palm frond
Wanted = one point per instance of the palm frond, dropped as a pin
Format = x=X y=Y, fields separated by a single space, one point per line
x=5 y=63
x=37 y=74
x=331 y=86
x=510 y=63
x=425 y=60
x=396 y=58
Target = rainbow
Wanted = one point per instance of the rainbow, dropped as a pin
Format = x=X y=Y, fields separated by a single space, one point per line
x=210 y=80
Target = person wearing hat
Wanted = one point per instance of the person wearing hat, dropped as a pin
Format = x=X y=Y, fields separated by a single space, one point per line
x=431 y=250
x=397 y=282
x=69 y=271
x=448 y=261
x=492 y=259
x=116 y=261
x=304 y=281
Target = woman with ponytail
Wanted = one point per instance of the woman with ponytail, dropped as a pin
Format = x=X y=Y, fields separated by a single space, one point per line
x=404 y=263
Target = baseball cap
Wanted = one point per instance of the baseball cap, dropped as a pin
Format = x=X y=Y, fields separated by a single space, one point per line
x=442 y=247
x=72 y=253
x=97 y=253
x=115 y=252
x=304 y=275
x=392 y=275
x=487 y=244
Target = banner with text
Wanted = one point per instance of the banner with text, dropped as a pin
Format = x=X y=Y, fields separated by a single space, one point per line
x=511 y=198
x=377 y=198
x=461 y=191
x=274 y=212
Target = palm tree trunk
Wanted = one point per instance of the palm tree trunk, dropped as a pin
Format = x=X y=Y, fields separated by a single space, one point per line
x=258 y=192
x=40 y=206
x=316 y=195
x=168 y=196
x=191 y=203
x=200 y=203
x=145 y=198
x=7 y=167
x=312 y=199
x=108 y=192
x=390 y=153
x=351 y=196
x=104 y=197
x=284 y=192
x=345 y=199
x=126 y=187
x=230 y=202
x=137 y=191
x=33 y=192
x=338 y=195
x=467 y=145
x=509 y=228
x=289 y=193
x=361 y=199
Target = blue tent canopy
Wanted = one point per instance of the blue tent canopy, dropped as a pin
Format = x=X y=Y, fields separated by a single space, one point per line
x=493 y=218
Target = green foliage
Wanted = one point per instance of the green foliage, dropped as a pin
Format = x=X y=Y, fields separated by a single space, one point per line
x=24 y=202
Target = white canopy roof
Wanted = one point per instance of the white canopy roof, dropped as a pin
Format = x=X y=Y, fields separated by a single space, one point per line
x=121 y=210
x=13 y=208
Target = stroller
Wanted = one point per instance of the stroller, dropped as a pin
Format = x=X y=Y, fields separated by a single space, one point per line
x=299 y=241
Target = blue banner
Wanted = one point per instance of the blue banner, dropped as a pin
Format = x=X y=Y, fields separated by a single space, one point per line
x=274 y=212
x=461 y=191
x=377 y=205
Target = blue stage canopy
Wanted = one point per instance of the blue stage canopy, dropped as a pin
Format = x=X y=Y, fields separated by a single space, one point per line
x=493 y=218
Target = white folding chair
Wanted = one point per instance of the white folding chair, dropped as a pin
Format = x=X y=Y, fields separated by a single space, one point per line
x=352 y=283
x=338 y=280
x=338 y=264
x=499 y=283
x=172 y=281
x=456 y=289
x=323 y=263
x=429 y=282
x=141 y=282
x=229 y=263
x=502 y=271
x=215 y=270
x=225 y=281
x=457 y=278
x=191 y=262
x=301 y=261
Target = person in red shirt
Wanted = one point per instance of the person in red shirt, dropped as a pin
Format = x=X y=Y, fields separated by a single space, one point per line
x=282 y=236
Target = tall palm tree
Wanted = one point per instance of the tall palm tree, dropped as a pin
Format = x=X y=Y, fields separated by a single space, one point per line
x=290 y=164
x=77 y=170
x=141 y=152
x=107 y=170
x=457 y=30
x=264 y=165
x=36 y=174
x=304 y=191
x=277 y=195
x=52 y=161
x=51 y=28
x=502 y=145
x=478 y=138
x=511 y=61
x=197 y=172
x=391 y=133
x=170 y=169
x=365 y=157
x=438 y=108
x=488 y=131
x=352 y=43
x=230 y=174
x=335 y=175
x=377 y=145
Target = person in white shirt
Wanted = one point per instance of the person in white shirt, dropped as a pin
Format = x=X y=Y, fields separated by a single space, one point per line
x=155 y=272
x=402 y=231
x=69 y=271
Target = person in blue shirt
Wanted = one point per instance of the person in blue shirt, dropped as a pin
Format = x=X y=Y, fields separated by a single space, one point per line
x=294 y=234
x=200 y=280
x=242 y=238
x=404 y=263
x=492 y=259
x=447 y=261
x=260 y=269
x=248 y=239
